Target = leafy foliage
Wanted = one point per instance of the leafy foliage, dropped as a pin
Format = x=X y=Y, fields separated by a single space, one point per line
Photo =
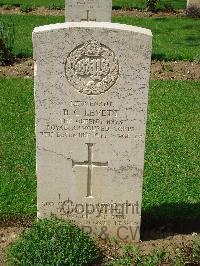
x=55 y=6
x=53 y=242
x=132 y=256
x=151 y=4
x=25 y=8
x=6 y=41
x=196 y=251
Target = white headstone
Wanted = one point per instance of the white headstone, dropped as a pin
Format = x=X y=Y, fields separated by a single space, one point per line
x=88 y=10
x=193 y=3
x=91 y=95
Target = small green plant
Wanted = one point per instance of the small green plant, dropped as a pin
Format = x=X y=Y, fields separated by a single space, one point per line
x=133 y=256
x=138 y=255
x=151 y=5
x=197 y=59
x=128 y=256
x=53 y=242
x=55 y=6
x=168 y=7
x=26 y=8
x=168 y=67
x=6 y=42
x=179 y=258
x=157 y=257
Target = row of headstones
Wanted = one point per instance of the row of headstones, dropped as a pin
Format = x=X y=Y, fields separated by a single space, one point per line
x=96 y=10
x=91 y=96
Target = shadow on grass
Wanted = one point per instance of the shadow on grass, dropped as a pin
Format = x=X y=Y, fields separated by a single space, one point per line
x=189 y=27
x=161 y=19
x=192 y=40
x=170 y=219
x=164 y=57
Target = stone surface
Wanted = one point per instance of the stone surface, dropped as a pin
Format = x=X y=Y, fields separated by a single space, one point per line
x=88 y=10
x=193 y=3
x=91 y=95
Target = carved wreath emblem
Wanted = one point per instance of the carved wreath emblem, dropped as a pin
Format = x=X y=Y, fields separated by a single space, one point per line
x=92 y=68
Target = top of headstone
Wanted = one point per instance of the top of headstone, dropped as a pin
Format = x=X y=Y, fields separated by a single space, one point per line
x=88 y=10
x=106 y=25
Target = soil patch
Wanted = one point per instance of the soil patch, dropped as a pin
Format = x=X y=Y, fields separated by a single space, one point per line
x=20 y=68
x=144 y=14
x=119 y=12
x=160 y=70
x=7 y=236
x=171 y=245
x=178 y=70
x=39 y=11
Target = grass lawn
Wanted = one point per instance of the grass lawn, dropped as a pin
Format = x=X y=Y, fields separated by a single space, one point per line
x=172 y=169
x=174 y=38
x=17 y=153
x=172 y=174
x=116 y=3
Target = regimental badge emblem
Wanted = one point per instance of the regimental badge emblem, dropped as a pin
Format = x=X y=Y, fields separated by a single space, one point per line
x=92 y=68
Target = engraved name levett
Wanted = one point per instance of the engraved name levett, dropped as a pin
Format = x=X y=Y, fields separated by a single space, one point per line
x=92 y=68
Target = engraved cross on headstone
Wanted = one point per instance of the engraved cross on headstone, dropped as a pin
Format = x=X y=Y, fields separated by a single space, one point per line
x=88 y=19
x=90 y=165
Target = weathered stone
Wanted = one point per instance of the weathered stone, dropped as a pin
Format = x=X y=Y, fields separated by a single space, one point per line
x=91 y=95
x=88 y=10
x=193 y=3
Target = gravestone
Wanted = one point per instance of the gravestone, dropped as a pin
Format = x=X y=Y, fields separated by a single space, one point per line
x=193 y=3
x=91 y=96
x=88 y=10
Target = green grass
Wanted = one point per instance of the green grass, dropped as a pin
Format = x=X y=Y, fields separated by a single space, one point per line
x=172 y=171
x=32 y=3
x=24 y=26
x=174 y=38
x=17 y=153
x=175 y=4
x=116 y=3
